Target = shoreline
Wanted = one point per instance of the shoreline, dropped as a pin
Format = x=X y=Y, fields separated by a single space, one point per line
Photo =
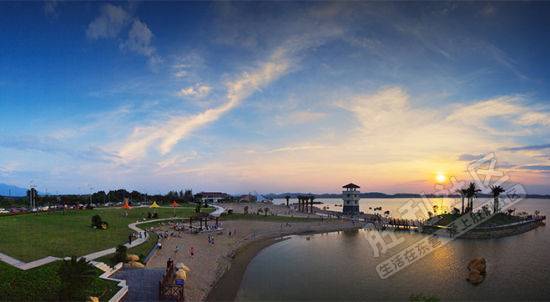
x=227 y=285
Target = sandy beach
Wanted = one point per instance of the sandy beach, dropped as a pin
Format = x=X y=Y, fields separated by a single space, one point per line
x=248 y=237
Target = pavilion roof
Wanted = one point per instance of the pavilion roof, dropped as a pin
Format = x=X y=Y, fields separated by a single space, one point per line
x=351 y=186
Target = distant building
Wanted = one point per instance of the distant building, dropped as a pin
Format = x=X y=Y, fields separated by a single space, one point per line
x=248 y=198
x=213 y=197
x=351 y=199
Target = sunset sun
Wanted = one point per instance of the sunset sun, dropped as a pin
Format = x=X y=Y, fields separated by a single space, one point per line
x=440 y=178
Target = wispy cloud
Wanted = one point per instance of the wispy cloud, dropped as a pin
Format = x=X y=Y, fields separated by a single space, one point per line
x=536 y=167
x=527 y=148
x=110 y=22
x=178 y=127
x=197 y=91
x=50 y=145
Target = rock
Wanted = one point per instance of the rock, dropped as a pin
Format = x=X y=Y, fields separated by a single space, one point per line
x=131 y=257
x=92 y=299
x=478 y=264
x=475 y=277
x=135 y=264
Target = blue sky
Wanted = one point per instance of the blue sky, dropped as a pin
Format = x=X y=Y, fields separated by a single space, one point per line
x=271 y=97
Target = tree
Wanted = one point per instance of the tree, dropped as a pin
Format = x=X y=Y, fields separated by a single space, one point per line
x=188 y=196
x=471 y=193
x=496 y=190
x=76 y=276
x=246 y=209
x=198 y=208
x=462 y=193
x=266 y=209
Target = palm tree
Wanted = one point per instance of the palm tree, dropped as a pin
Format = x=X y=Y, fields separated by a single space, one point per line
x=471 y=193
x=287 y=197
x=496 y=190
x=76 y=276
x=462 y=193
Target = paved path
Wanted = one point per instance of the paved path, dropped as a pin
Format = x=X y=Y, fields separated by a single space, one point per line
x=143 y=284
x=219 y=210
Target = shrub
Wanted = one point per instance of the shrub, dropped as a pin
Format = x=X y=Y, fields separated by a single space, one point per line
x=96 y=221
x=121 y=253
x=155 y=215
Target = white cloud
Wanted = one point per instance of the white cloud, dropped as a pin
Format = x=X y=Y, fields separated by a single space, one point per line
x=168 y=134
x=109 y=23
x=198 y=91
x=140 y=41
x=113 y=20
x=534 y=118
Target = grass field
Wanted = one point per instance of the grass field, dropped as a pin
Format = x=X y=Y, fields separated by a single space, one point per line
x=42 y=284
x=33 y=236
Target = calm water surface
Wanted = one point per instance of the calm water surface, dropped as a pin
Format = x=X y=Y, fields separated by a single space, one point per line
x=341 y=266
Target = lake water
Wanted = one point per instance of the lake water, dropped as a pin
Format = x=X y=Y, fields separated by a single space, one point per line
x=342 y=266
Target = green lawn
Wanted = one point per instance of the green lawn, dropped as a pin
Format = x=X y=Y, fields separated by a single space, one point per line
x=33 y=236
x=42 y=284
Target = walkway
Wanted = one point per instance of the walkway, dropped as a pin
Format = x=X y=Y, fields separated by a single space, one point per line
x=143 y=284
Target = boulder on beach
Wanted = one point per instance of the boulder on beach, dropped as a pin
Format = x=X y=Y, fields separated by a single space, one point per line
x=135 y=264
x=478 y=264
x=478 y=269
x=475 y=277
x=132 y=257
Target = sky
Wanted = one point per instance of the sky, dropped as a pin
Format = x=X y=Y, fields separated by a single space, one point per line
x=272 y=96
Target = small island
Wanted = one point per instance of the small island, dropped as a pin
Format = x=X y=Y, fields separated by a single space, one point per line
x=493 y=223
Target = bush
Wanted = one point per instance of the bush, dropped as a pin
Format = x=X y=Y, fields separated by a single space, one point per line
x=121 y=253
x=96 y=221
x=155 y=215
x=149 y=216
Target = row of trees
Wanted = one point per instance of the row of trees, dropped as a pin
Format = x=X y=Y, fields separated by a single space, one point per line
x=470 y=193
x=99 y=197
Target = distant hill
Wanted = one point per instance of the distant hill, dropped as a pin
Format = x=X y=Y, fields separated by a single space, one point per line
x=382 y=195
x=7 y=190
